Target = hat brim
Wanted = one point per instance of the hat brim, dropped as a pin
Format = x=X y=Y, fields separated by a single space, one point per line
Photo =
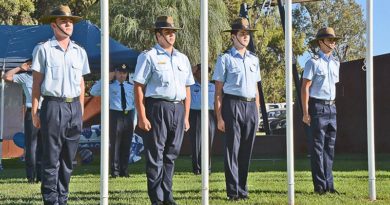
x=250 y=30
x=48 y=19
x=314 y=41
x=168 y=28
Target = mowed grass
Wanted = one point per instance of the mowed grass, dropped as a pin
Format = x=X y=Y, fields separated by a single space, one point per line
x=267 y=183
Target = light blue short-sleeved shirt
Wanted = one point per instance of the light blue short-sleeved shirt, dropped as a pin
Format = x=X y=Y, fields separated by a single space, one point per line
x=62 y=70
x=26 y=81
x=324 y=74
x=196 y=96
x=165 y=76
x=239 y=74
x=115 y=94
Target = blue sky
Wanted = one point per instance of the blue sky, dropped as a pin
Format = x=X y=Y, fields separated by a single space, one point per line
x=381 y=28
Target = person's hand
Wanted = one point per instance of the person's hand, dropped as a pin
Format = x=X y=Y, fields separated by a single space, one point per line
x=25 y=66
x=36 y=121
x=144 y=124
x=186 y=125
x=221 y=125
x=306 y=119
x=111 y=75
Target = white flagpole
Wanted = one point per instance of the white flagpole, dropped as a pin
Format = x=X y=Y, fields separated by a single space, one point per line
x=370 y=101
x=289 y=99
x=104 y=142
x=2 y=117
x=205 y=108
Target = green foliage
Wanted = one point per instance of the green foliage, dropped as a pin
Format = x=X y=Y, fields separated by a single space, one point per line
x=16 y=12
x=129 y=23
x=345 y=16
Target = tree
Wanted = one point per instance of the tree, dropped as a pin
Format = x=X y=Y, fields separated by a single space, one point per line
x=129 y=23
x=345 y=16
x=16 y=12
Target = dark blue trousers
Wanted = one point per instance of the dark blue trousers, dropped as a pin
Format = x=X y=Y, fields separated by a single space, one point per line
x=323 y=129
x=241 y=122
x=61 y=125
x=162 y=146
x=195 y=134
x=121 y=134
x=33 y=149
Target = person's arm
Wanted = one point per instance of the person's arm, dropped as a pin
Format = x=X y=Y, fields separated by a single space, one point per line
x=139 y=97
x=218 y=105
x=257 y=98
x=36 y=94
x=9 y=75
x=305 y=100
x=82 y=95
x=187 y=104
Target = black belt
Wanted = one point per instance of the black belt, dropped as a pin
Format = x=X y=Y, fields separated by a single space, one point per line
x=165 y=100
x=28 y=109
x=240 y=98
x=121 y=111
x=61 y=99
x=324 y=102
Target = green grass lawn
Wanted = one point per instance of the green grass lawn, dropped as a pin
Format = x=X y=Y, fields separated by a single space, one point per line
x=267 y=183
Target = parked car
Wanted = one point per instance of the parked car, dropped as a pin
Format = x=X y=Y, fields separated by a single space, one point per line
x=273 y=115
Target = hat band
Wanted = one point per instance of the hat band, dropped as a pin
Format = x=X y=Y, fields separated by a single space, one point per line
x=326 y=35
x=163 y=25
x=239 y=27
x=60 y=13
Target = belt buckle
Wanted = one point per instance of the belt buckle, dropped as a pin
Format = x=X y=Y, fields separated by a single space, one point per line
x=126 y=112
x=68 y=100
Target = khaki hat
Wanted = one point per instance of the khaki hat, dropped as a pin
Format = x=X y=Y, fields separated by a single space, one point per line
x=324 y=33
x=58 y=12
x=164 y=22
x=240 y=24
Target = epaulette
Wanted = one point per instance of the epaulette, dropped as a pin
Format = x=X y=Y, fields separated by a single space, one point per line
x=224 y=52
x=315 y=57
x=75 y=42
x=112 y=81
x=252 y=53
x=42 y=42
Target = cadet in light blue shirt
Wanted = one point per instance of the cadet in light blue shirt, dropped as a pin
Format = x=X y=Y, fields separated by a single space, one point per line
x=162 y=97
x=319 y=109
x=121 y=119
x=195 y=133
x=33 y=145
x=236 y=74
x=58 y=68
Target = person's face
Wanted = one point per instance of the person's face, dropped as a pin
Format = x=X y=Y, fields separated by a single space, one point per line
x=169 y=35
x=66 y=24
x=121 y=76
x=241 y=39
x=330 y=44
x=198 y=75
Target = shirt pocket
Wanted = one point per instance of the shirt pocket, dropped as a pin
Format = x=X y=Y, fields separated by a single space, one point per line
x=55 y=71
x=162 y=74
x=183 y=74
x=234 y=74
x=76 y=73
x=335 y=75
x=321 y=74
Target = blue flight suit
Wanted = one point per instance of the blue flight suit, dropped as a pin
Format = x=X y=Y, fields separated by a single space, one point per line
x=239 y=75
x=323 y=72
x=61 y=113
x=165 y=77
x=121 y=124
x=33 y=140
x=194 y=132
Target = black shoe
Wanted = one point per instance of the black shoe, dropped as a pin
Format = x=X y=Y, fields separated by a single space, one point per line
x=171 y=202
x=114 y=176
x=244 y=197
x=320 y=191
x=334 y=191
x=30 y=181
x=197 y=172
x=233 y=198
x=158 y=203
